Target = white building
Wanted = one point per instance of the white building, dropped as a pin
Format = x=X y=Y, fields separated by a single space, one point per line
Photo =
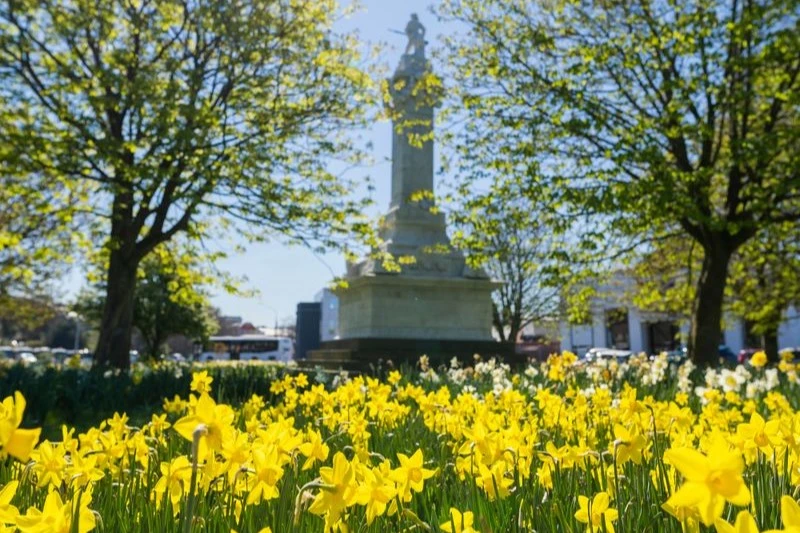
x=616 y=323
x=329 y=315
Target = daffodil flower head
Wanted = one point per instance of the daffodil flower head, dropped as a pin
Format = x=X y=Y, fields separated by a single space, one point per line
x=745 y=523
x=375 y=491
x=338 y=490
x=201 y=382
x=790 y=516
x=459 y=522
x=218 y=421
x=710 y=480
x=16 y=442
x=8 y=513
x=411 y=474
x=596 y=513
x=314 y=449
x=56 y=516
x=758 y=359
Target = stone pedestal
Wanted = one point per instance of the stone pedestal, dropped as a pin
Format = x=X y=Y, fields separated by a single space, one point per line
x=416 y=307
x=364 y=354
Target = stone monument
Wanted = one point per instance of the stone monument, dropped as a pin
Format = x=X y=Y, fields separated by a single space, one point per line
x=436 y=304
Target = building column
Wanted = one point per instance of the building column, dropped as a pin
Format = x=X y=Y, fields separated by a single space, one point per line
x=635 y=330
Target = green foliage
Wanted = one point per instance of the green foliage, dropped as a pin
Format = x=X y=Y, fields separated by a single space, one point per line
x=765 y=278
x=637 y=121
x=36 y=241
x=177 y=114
x=507 y=233
x=665 y=276
x=23 y=317
x=81 y=397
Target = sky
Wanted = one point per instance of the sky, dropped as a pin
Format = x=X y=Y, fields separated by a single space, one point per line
x=284 y=275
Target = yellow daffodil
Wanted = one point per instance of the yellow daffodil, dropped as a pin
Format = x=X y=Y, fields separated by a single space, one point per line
x=118 y=424
x=629 y=445
x=411 y=475
x=338 y=491
x=494 y=480
x=201 y=382
x=268 y=472
x=174 y=476
x=375 y=492
x=459 y=522
x=49 y=465
x=596 y=514
x=158 y=425
x=758 y=359
x=174 y=406
x=301 y=381
x=56 y=516
x=759 y=434
x=710 y=480
x=8 y=513
x=314 y=449
x=217 y=420
x=745 y=523
x=82 y=469
x=16 y=442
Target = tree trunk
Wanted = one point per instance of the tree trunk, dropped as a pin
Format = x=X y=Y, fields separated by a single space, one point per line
x=152 y=345
x=155 y=350
x=706 y=330
x=116 y=327
x=771 y=344
x=497 y=320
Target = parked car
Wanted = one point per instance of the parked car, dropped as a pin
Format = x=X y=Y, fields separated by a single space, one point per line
x=607 y=353
x=536 y=347
x=176 y=358
x=745 y=354
x=675 y=357
x=26 y=358
x=727 y=355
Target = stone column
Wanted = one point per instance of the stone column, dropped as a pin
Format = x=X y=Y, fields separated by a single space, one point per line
x=412 y=128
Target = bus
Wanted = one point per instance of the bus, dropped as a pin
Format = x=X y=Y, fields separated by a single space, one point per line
x=247 y=348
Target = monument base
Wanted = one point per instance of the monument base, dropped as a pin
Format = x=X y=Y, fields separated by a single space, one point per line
x=361 y=354
x=409 y=306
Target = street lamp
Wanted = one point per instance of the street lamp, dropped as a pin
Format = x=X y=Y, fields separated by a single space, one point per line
x=275 y=313
x=72 y=315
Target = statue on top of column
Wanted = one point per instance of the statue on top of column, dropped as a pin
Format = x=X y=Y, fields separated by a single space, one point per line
x=416 y=37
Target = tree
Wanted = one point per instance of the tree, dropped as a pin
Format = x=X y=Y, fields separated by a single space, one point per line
x=25 y=317
x=765 y=282
x=662 y=118
x=664 y=277
x=179 y=114
x=504 y=232
x=169 y=302
x=171 y=298
x=36 y=241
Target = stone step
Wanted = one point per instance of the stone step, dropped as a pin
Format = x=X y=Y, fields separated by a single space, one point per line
x=332 y=366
